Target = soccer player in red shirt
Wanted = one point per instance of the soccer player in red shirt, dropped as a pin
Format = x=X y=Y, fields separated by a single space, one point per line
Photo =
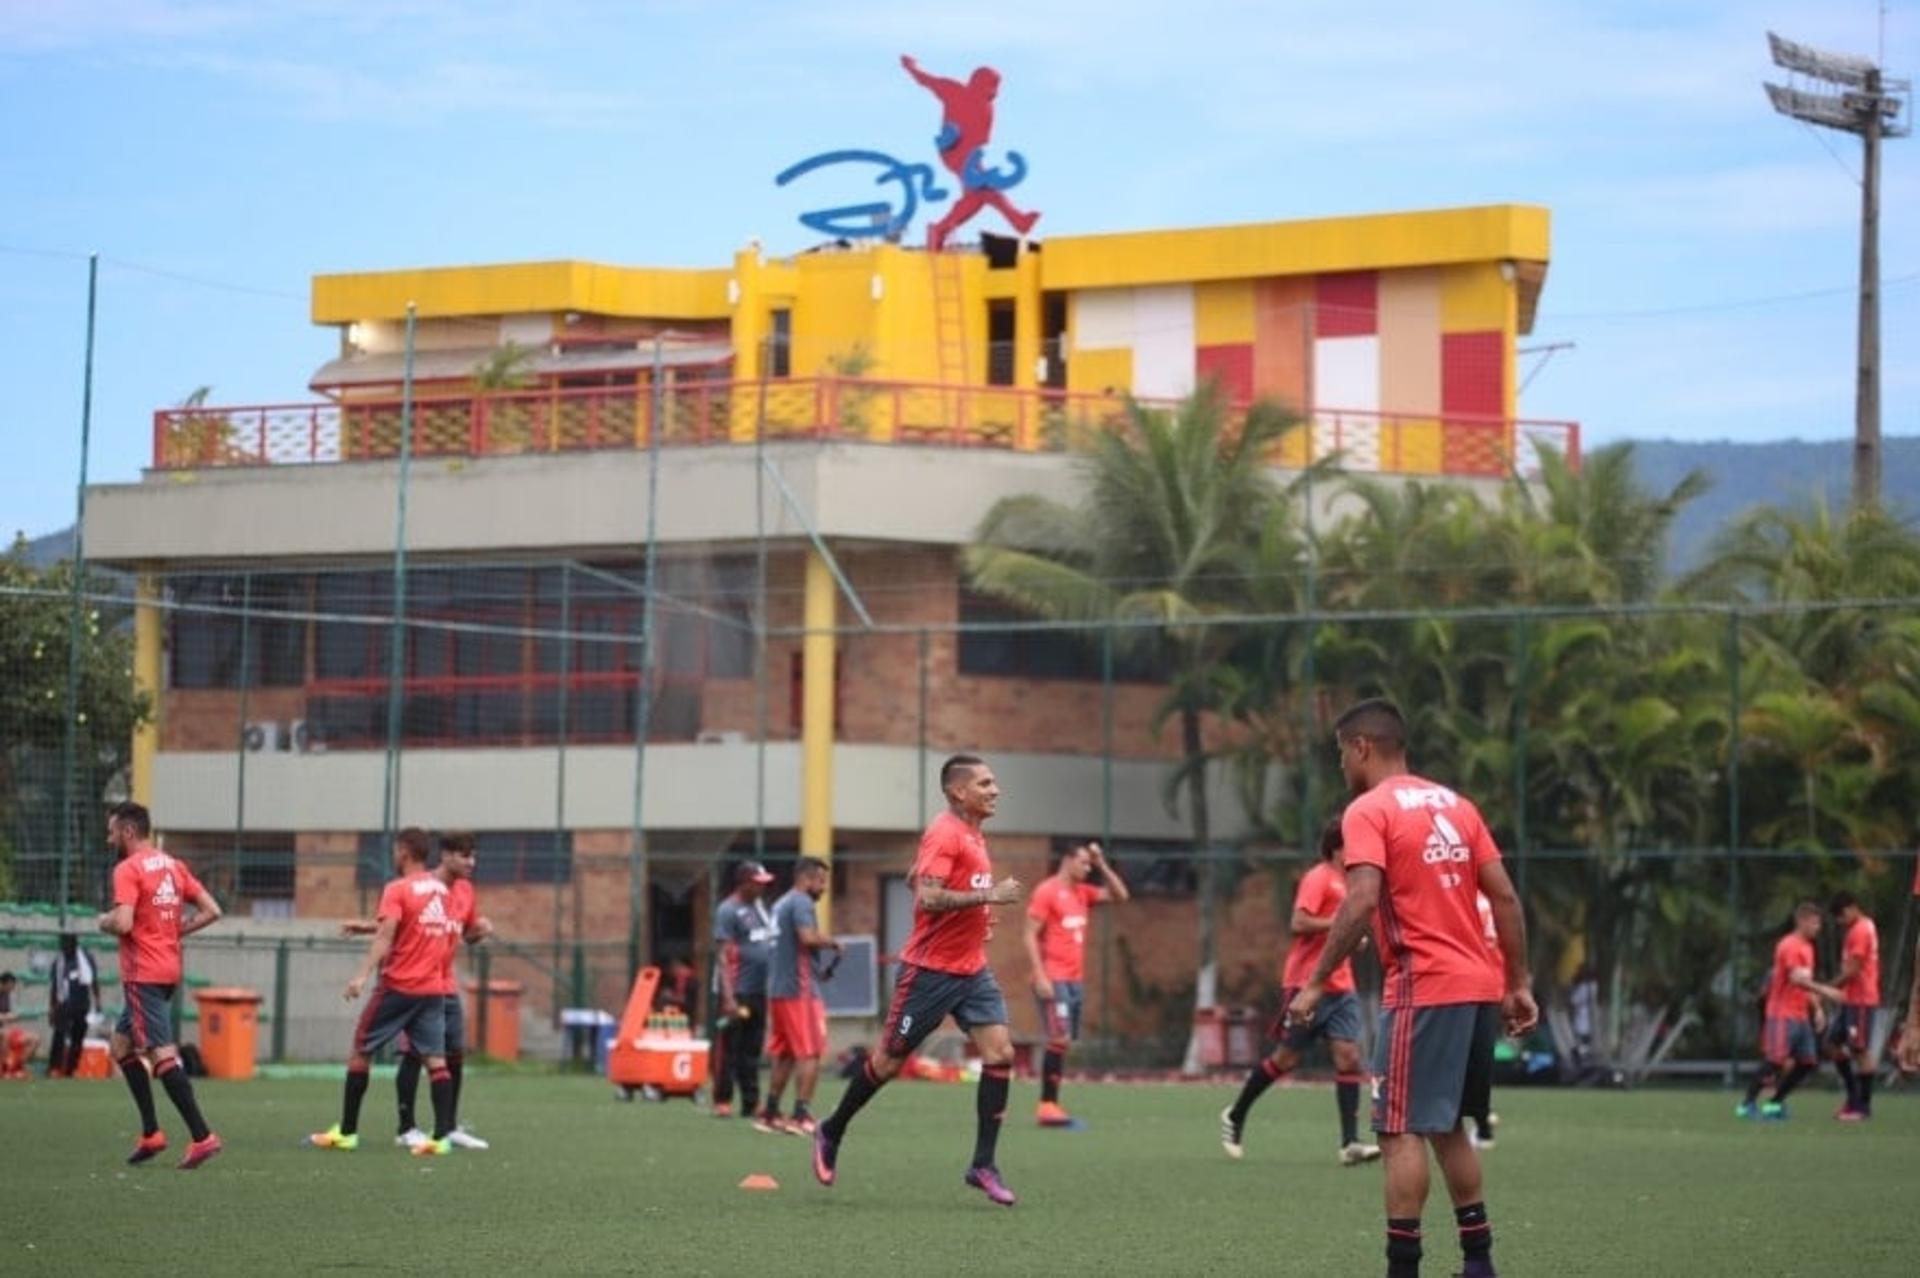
x=1789 y=1036
x=944 y=972
x=1851 y=1037
x=1337 y=1019
x=1056 y=939
x=416 y=933
x=1909 y=1054
x=150 y=890
x=1416 y=853
x=456 y=871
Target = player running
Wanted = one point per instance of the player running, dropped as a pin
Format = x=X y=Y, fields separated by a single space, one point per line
x=416 y=931
x=1416 y=853
x=1337 y=1019
x=1056 y=939
x=1851 y=1036
x=943 y=971
x=798 y=1038
x=1789 y=1036
x=743 y=930
x=149 y=890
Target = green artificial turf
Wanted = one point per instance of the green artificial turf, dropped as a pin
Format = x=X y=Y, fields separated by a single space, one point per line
x=1644 y=1184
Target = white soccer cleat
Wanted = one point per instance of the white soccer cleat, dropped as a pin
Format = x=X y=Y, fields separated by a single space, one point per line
x=1354 y=1154
x=461 y=1138
x=410 y=1138
x=1230 y=1135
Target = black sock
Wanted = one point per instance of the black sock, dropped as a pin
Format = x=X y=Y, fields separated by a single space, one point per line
x=771 y=1109
x=1797 y=1076
x=1762 y=1077
x=1844 y=1068
x=1482 y=1128
x=1476 y=1235
x=990 y=1108
x=180 y=1092
x=865 y=1085
x=141 y=1086
x=1050 y=1066
x=1403 y=1248
x=406 y=1087
x=1259 y=1079
x=801 y=1111
x=1866 y=1091
x=350 y=1104
x=1346 y=1093
x=440 y=1087
x=457 y=1067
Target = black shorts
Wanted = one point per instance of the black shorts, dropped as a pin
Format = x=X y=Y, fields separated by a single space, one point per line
x=147 y=1019
x=456 y=1034
x=421 y=1017
x=924 y=997
x=1433 y=1064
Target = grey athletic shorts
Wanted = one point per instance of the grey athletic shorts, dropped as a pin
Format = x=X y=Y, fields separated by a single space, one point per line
x=1433 y=1064
x=421 y=1017
x=923 y=997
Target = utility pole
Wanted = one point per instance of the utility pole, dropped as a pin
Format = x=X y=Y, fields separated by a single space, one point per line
x=1871 y=106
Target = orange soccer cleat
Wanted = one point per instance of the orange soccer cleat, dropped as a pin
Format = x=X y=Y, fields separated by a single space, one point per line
x=1049 y=1114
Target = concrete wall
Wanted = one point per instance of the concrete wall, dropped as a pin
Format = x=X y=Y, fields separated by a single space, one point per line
x=572 y=503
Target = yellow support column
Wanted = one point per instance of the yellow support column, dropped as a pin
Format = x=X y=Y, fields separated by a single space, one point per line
x=146 y=679
x=816 y=721
x=1026 y=349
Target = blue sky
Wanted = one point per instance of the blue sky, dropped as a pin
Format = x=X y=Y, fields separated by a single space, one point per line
x=253 y=144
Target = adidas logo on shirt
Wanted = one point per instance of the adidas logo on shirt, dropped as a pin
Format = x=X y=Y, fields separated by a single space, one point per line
x=1444 y=844
x=166 y=894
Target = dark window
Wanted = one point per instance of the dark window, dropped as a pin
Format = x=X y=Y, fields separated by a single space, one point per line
x=250 y=867
x=220 y=618
x=1053 y=339
x=1040 y=654
x=501 y=858
x=1000 y=336
x=1151 y=867
x=780 y=343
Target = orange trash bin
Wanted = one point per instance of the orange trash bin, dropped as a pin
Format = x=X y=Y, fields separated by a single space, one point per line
x=229 y=1030
x=503 y=1018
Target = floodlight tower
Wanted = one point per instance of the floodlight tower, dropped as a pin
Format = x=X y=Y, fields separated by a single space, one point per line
x=1871 y=106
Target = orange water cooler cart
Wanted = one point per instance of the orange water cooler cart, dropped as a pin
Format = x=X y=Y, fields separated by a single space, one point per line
x=646 y=1054
x=503 y=1018
x=229 y=1029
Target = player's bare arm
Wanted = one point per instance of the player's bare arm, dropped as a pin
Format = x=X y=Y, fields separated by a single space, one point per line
x=478 y=930
x=1343 y=938
x=359 y=927
x=1111 y=884
x=1042 y=987
x=376 y=954
x=206 y=913
x=1910 y=1037
x=1304 y=924
x=1518 y=1010
x=1803 y=978
x=118 y=921
x=812 y=938
x=936 y=898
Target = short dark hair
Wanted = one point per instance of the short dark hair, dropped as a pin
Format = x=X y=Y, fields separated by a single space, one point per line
x=957 y=762
x=133 y=814
x=1067 y=852
x=810 y=865
x=415 y=842
x=460 y=841
x=1331 y=839
x=1841 y=900
x=7 y=978
x=1377 y=719
x=1806 y=909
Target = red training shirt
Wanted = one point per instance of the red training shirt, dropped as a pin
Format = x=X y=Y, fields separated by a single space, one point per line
x=1428 y=844
x=156 y=886
x=1863 y=942
x=461 y=908
x=1785 y=1000
x=424 y=940
x=1062 y=909
x=1320 y=892
x=955 y=940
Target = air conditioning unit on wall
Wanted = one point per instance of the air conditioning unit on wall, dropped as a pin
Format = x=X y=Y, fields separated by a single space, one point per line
x=262 y=737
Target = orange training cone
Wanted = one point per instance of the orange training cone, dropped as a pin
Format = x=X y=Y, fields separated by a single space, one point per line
x=759 y=1180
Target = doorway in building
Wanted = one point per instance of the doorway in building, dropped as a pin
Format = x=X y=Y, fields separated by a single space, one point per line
x=896 y=924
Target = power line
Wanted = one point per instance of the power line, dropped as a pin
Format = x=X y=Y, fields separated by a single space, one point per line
x=1776 y=299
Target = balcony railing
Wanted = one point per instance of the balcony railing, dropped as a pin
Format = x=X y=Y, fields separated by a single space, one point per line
x=716 y=412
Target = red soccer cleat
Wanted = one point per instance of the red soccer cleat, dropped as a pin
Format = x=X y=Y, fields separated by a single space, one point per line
x=200 y=1151
x=147 y=1147
x=987 y=1181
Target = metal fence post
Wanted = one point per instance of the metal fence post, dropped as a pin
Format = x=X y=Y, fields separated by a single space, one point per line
x=1736 y=934
x=280 y=963
x=483 y=969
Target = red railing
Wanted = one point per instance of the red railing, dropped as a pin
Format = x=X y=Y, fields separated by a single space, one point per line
x=719 y=412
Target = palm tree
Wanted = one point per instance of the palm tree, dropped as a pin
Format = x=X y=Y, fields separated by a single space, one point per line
x=1157 y=544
